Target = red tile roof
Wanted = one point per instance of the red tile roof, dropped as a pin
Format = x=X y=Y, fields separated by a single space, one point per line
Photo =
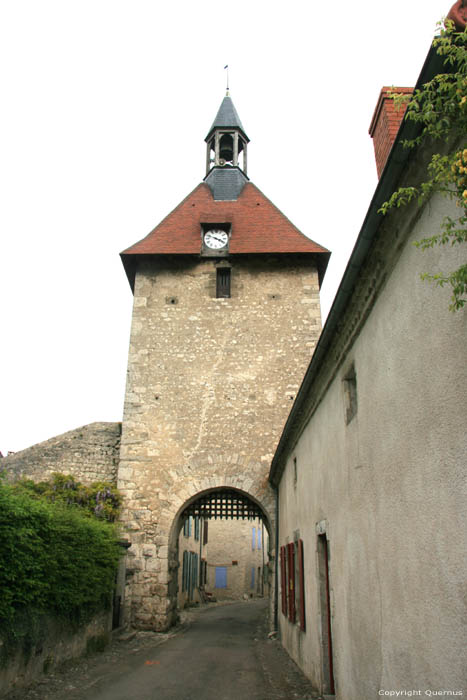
x=257 y=226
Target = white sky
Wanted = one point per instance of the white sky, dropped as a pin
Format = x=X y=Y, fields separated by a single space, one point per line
x=105 y=106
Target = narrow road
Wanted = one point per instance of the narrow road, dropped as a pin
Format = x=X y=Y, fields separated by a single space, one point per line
x=223 y=654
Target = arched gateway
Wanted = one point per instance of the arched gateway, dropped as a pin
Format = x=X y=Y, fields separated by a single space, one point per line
x=225 y=318
x=223 y=503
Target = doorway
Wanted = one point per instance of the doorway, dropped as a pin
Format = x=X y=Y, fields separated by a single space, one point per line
x=324 y=555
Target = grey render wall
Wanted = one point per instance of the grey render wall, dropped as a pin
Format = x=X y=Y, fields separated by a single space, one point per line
x=389 y=487
x=210 y=384
x=89 y=453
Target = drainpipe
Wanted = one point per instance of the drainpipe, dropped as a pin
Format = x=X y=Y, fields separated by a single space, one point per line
x=276 y=565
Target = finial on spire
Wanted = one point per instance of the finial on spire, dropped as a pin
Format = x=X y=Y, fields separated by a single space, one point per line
x=227 y=90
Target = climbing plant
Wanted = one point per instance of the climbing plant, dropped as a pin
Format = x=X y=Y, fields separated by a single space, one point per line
x=100 y=499
x=440 y=108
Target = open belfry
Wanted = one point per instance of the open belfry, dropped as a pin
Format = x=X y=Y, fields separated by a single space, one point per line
x=225 y=319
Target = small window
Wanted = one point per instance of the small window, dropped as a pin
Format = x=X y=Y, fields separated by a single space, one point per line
x=223 y=283
x=350 y=394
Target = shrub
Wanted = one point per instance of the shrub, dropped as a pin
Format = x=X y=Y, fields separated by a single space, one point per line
x=54 y=559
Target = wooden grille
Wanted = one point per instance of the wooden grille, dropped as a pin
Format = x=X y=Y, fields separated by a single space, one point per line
x=223 y=504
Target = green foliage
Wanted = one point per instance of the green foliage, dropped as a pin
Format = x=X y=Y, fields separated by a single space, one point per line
x=54 y=559
x=101 y=499
x=440 y=107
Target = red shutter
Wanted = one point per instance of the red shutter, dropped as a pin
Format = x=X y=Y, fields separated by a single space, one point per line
x=301 y=583
x=291 y=572
x=283 y=582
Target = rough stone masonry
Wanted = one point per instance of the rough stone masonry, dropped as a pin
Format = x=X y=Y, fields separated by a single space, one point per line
x=210 y=384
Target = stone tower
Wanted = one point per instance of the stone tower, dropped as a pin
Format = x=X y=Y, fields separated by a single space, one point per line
x=225 y=319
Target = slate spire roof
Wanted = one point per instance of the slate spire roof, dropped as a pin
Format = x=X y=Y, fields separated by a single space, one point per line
x=257 y=226
x=227 y=117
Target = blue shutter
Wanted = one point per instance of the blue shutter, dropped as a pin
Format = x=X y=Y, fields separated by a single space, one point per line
x=190 y=523
x=221 y=577
x=196 y=527
x=252 y=585
x=259 y=538
x=253 y=538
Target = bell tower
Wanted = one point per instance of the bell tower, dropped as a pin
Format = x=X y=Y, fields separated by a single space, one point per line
x=226 y=141
x=225 y=318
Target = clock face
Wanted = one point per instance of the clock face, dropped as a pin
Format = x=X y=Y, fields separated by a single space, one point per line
x=216 y=238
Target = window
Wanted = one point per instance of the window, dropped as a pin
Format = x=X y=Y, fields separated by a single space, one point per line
x=253 y=538
x=252 y=583
x=205 y=531
x=293 y=582
x=259 y=538
x=196 y=527
x=350 y=394
x=223 y=282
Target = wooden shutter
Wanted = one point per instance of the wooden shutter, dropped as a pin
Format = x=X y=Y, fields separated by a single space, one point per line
x=283 y=581
x=205 y=531
x=291 y=578
x=301 y=584
x=184 y=571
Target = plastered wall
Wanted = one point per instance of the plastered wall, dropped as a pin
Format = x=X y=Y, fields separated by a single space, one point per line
x=388 y=489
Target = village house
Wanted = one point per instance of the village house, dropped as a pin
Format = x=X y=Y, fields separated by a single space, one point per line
x=370 y=468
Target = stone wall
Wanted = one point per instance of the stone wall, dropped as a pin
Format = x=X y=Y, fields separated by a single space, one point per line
x=55 y=644
x=210 y=384
x=89 y=453
x=231 y=546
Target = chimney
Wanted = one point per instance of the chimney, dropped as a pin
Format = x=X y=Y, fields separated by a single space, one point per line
x=385 y=124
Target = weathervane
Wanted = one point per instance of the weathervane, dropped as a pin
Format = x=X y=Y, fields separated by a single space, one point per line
x=227 y=69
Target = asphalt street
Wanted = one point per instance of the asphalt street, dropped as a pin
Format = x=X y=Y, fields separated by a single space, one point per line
x=224 y=653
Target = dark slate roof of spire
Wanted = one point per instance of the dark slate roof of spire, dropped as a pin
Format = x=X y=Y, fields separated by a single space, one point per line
x=227 y=117
x=226 y=183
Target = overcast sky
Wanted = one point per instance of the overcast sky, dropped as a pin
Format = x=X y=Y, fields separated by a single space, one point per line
x=105 y=106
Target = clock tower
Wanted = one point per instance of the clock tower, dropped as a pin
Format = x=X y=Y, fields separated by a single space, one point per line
x=225 y=319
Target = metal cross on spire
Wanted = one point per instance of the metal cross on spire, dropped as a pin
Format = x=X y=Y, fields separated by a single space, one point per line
x=227 y=69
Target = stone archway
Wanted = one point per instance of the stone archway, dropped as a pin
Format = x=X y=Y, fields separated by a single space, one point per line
x=152 y=522
x=221 y=502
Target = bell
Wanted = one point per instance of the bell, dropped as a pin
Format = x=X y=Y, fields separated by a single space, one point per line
x=226 y=147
